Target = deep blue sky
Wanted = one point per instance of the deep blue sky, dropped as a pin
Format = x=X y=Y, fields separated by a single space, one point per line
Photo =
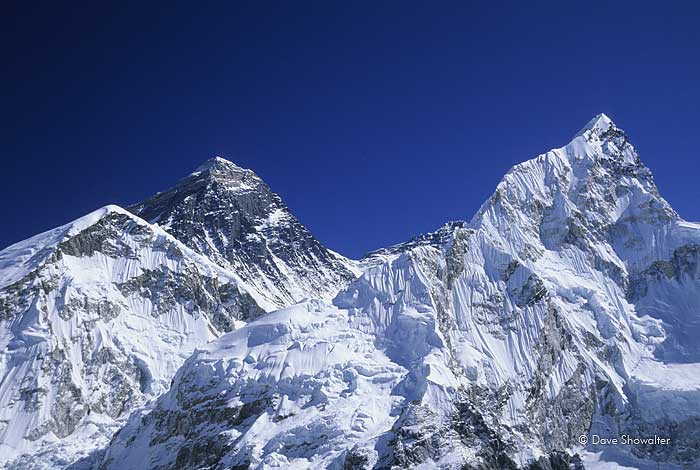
x=375 y=121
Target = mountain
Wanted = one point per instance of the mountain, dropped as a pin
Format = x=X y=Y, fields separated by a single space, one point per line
x=566 y=308
x=230 y=215
x=95 y=318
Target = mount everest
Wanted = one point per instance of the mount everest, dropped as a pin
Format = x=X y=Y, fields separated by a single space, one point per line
x=232 y=217
x=566 y=307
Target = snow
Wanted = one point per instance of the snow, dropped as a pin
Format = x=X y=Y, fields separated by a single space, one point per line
x=619 y=461
x=18 y=260
x=215 y=162
x=600 y=122
x=155 y=343
x=313 y=356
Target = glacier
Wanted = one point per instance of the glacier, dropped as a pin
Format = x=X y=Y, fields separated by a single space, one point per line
x=566 y=307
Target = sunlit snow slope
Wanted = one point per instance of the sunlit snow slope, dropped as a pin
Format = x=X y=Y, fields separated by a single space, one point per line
x=95 y=318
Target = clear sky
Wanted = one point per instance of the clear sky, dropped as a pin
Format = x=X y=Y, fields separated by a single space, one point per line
x=375 y=121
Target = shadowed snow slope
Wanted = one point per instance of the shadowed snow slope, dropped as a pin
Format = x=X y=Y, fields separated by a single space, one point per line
x=567 y=306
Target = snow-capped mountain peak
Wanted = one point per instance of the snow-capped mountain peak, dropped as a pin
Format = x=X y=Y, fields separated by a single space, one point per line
x=231 y=176
x=17 y=260
x=231 y=215
x=218 y=162
x=600 y=123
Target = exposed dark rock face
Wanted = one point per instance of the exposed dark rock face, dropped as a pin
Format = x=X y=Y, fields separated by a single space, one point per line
x=230 y=215
x=106 y=237
x=202 y=295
